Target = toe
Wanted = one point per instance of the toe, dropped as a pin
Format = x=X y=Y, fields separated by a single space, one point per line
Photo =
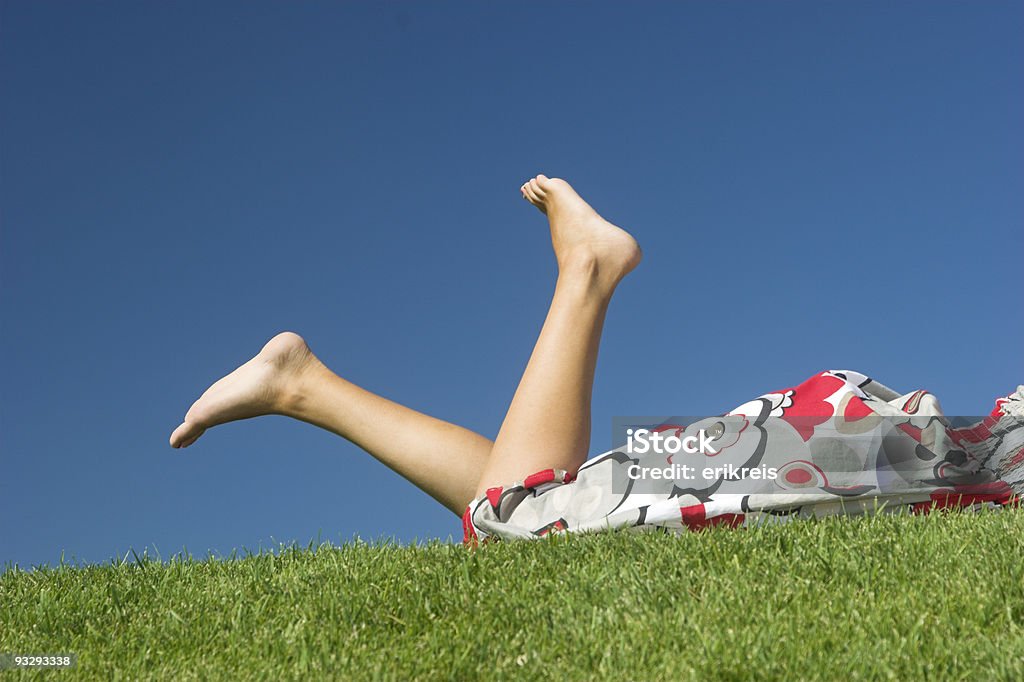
x=192 y=439
x=185 y=435
x=531 y=194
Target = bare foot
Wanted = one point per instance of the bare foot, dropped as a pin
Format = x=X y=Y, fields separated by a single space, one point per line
x=579 y=235
x=261 y=386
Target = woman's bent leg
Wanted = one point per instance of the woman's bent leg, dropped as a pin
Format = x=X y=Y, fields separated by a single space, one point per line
x=546 y=426
x=548 y=422
x=444 y=460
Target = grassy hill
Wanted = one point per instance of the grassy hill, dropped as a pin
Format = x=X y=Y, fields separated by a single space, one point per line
x=931 y=597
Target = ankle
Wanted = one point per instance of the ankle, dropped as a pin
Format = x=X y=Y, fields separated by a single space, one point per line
x=583 y=270
x=290 y=400
x=580 y=264
x=294 y=388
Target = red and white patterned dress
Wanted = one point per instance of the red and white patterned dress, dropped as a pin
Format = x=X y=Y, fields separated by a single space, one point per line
x=838 y=443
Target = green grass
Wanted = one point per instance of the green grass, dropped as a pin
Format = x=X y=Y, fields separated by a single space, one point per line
x=905 y=598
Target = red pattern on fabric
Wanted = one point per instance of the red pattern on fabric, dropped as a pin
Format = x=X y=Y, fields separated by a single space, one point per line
x=693 y=515
x=998 y=492
x=912 y=404
x=494 y=496
x=809 y=407
x=974 y=435
x=798 y=476
x=695 y=518
x=998 y=411
x=911 y=431
x=539 y=478
x=558 y=525
x=857 y=409
x=469 y=536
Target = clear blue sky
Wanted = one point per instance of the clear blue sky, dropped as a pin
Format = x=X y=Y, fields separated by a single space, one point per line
x=815 y=185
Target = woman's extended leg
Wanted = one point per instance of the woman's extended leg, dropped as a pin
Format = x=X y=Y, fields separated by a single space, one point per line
x=285 y=378
x=548 y=422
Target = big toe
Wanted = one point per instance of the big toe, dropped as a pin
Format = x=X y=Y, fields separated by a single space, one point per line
x=542 y=183
x=186 y=434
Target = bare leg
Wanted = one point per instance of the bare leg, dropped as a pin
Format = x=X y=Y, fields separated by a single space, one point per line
x=548 y=422
x=285 y=378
